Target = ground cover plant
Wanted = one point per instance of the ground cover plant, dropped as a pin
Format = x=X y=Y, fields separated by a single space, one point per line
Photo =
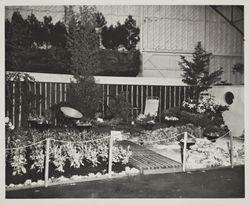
x=69 y=155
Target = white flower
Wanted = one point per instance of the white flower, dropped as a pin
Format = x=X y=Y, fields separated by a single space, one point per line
x=191 y=106
x=7 y=119
x=12 y=127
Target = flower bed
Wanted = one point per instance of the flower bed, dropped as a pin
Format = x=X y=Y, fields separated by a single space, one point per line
x=167 y=135
x=71 y=153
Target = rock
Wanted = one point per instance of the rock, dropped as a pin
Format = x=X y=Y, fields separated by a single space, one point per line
x=19 y=185
x=91 y=175
x=11 y=185
x=40 y=182
x=27 y=182
x=134 y=170
x=75 y=177
x=33 y=183
x=127 y=169
x=98 y=174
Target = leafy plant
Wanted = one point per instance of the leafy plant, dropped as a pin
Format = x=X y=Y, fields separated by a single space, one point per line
x=18 y=162
x=38 y=156
x=58 y=157
x=196 y=72
x=119 y=106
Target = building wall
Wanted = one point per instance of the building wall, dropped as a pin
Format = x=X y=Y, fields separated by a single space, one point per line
x=167 y=31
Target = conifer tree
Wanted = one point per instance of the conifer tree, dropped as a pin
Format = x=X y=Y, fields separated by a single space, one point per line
x=196 y=71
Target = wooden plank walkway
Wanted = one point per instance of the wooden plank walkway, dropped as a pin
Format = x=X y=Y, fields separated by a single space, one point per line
x=148 y=161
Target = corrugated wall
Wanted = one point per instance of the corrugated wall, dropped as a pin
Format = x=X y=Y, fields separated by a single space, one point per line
x=169 y=31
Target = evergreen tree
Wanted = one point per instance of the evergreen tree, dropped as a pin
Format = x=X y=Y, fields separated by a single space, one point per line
x=126 y=34
x=196 y=72
x=83 y=46
x=133 y=33
x=83 y=42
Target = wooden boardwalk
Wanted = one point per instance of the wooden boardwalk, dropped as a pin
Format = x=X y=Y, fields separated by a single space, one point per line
x=150 y=162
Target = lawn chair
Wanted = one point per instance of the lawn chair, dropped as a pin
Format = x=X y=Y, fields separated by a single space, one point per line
x=151 y=109
x=151 y=106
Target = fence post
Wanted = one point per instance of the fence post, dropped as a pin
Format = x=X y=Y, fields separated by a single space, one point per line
x=110 y=155
x=231 y=150
x=184 y=152
x=46 y=175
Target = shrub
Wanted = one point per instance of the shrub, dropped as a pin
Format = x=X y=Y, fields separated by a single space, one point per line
x=115 y=63
x=171 y=113
x=85 y=96
x=196 y=119
x=119 y=107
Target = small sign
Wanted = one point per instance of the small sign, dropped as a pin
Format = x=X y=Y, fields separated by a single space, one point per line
x=116 y=135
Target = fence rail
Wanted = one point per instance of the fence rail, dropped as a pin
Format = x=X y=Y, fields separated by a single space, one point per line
x=41 y=96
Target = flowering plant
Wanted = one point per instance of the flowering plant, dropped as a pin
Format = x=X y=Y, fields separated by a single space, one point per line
x=143 y=119
x=171 y=114
x=205 y=104
x=8 y=124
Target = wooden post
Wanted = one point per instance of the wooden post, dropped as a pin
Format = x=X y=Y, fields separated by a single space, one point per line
x=184 y=152
x=110 y=155
x=231 y=150
x=46 y=175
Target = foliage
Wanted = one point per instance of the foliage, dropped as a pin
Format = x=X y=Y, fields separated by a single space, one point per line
x=168 y=135
x=115 y=63
x=83 y=42
x=203 y=112
x=239 y=67
x=196 y=72
x=119 y=106
x=22 y=82
x=144 y=119
x=38 y=156
x=8 y=124
x=126 y=34
x=100 y=20
x=75 y=151
x=85 y=96
x=28 y=43
x=171 y=114
x=18 y=162
x=196 y=119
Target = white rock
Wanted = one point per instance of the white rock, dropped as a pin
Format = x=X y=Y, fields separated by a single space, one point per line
x=98 y=174
x=19 y=185
x=40 y=182
x=74 y=177
x=33 y=183
x=127 y=169
x=27 y=182
x=91 y=175
x=11 y=185
x=134 y=170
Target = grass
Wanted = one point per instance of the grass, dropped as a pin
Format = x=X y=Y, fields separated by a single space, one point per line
x=220 y=183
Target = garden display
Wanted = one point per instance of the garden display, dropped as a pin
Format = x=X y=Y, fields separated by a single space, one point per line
x=71 y=153
x=206 y=154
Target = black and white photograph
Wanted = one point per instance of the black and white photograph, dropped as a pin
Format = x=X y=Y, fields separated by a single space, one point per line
x=124 y=101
